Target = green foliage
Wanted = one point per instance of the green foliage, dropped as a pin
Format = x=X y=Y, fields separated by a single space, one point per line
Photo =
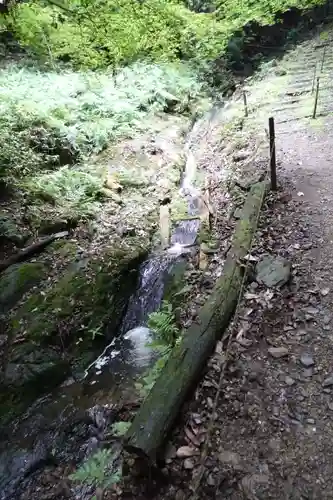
x=166 y=334
x=98 y=470
x=119 y=32
x=147 y=382
x=53 y=119
x=72 y=188
x=120 y=428
x=115 y=32
x=163 y=325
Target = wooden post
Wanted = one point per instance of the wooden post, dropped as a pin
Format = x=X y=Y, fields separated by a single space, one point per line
x=316 y=99
x=272 y=156
x=245 y=104
x=314 y=78
x=323 y=59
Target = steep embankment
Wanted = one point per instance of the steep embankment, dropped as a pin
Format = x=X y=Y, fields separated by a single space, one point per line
x=270 y=434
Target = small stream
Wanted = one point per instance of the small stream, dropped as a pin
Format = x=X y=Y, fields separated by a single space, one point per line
x=67 y=424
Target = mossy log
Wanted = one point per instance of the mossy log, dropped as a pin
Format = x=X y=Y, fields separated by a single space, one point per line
x=183 y=368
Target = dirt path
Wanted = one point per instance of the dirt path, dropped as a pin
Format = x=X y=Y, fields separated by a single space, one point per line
x=273 y=431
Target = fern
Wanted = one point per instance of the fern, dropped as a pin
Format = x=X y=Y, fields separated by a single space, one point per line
x=163 y=325
x=98 y=470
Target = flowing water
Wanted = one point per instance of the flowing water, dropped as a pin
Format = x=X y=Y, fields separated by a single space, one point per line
x=68 y=423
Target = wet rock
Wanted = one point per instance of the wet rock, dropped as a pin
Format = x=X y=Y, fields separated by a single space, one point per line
x=207 y=249
x=278 y=352
x=307 y=360
x=273 y=271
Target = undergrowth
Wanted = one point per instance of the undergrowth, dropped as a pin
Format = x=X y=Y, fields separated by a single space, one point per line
x=50 y=119
x=165 y=335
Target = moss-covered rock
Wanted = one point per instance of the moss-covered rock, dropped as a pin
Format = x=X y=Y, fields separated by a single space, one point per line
x=88 y=296
x=10 y=231
x=17 y=280
x=59 y=324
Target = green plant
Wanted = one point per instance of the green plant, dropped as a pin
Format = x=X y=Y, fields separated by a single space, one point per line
x=166 y=334
x=99 y=470
x=78 y=189
x=120 y=428
x=163 y=325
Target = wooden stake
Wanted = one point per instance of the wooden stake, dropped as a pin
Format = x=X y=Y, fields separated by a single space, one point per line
x=323 y=59
x=272 y=155
x=316 y=99
x=314 y=78
x=165 y=225
x=245 y=104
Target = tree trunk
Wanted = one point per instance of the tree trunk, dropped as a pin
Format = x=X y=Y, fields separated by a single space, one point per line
x=31 y=250
x=183 y=368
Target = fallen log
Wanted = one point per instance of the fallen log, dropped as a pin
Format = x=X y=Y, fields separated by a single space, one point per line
x=31 y=250
x=157 y=413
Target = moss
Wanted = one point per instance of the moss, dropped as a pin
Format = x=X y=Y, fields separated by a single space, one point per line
x=10 y=231
x=17 y=280
x=87 y=296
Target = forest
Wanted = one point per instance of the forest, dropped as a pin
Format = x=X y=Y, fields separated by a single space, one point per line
x=113 y=124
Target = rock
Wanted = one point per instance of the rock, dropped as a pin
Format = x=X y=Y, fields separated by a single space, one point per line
x=238 y=213
x=273 y=271
x=330 y=405
x=208 y=250
x=10 y=231
x=229 y=457
x=188 y=464
x=307 y=372
x=289 y=381
x=210 y=480
x=278 y=352
x=186 y=451
x=49 y=226
x=280 y=72
x=17 y=280
x=241 y=156
x=328 y=382
x=307 y=360
x=325 y=291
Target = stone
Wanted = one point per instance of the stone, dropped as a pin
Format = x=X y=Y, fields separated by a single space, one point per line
x=188 y=464
x=307 y=360
x=278 y=352
x=229 y=457
x=10 y=231
x=307 y=372
x=17 y=280
x=289 y=381
x=208 y=250
x=273 y=271
x=328 y=382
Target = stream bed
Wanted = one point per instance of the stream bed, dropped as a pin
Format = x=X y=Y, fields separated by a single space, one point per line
x=68 y=424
